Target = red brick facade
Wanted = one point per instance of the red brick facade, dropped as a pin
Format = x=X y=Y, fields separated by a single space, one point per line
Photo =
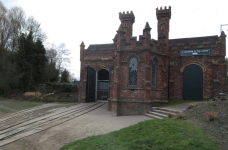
x=126 y=99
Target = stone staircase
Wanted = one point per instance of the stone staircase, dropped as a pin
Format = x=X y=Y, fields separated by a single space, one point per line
x=160 y=113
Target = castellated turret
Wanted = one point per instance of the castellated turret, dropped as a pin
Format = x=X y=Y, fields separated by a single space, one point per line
x=127 y=17
x=125 y=29
x=163 y=17
x=166 y=12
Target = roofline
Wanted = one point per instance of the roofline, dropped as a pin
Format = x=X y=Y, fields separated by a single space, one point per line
x=195 y=37
x=102 y=44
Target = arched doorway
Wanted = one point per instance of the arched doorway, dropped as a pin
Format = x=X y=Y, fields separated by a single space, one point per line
x=102 y=84
x=193 y=82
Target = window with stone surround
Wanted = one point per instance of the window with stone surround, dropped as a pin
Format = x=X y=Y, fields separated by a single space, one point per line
x=154 y=73
x=133 y=67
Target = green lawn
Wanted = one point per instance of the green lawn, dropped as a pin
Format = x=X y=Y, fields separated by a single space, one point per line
x=18 y=105
x=5 y=111
x=165 y=134
x=176 y=102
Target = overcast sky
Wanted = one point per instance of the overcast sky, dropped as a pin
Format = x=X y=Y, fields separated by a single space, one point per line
x=96 y=21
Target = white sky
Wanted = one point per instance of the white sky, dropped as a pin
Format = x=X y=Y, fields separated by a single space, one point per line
x=96 y=21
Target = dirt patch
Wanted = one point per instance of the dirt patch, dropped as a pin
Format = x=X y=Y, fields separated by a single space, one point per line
x=216 y=129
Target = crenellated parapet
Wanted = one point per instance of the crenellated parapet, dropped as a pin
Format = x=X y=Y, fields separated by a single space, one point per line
x=166 y=12
x=128 y=16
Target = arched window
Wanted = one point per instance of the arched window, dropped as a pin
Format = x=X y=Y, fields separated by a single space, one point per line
x=133 y=65
x=154 y=73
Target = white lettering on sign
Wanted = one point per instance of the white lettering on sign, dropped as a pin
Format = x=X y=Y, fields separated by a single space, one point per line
x=195 y=52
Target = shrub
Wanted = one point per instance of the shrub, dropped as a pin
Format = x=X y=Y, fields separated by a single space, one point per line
x=190 y=106
x=179 y=115
x=61 y=87
x=170 y=115
x=212 y=115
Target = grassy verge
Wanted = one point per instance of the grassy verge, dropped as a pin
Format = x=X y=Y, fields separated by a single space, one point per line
x=166 y=134
x=19 y=105
x=5 y=111
x=175 y=102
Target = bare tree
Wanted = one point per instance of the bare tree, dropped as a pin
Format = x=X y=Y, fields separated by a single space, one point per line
x=32 y=25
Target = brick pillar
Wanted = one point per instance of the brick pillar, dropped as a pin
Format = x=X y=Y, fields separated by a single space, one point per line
x=83 y=82
x=83 y=76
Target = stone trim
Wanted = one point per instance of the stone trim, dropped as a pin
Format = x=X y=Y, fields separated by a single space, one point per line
x=132 y=50
x=138 y=42
x=206 y=43
x=195 y=63
x=193 y=43
x=171 y=81
x=132 y=55
x=174 y=48
x=127 y=43
x=213 y=46
x=200 y=46
x=138 y=101
x=186 y=47
x=147 y=67
x=102 y=67
x=132 y=88
x=171 y=64
x=214 y=62
x=215 y=80
x=155 y=89
x=98 y=59
x=180 y=44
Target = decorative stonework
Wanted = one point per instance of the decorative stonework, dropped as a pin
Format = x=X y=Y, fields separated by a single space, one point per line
x=162 y=25
x=193 y=63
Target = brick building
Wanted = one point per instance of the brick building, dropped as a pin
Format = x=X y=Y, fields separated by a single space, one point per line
x=134 y=74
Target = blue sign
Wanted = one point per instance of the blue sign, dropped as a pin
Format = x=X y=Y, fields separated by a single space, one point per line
x=195 y=52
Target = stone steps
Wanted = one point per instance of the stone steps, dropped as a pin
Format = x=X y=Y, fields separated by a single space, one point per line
x=160 y=113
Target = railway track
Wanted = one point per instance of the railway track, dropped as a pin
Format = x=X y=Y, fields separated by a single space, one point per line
x=30 y=121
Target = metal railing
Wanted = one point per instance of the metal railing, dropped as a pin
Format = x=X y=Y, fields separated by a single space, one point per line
x=102 y=94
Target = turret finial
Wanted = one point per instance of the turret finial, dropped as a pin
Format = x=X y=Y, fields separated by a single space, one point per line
x=147 y=25
x=82 y=44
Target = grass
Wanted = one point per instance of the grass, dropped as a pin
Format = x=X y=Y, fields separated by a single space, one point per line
x=5 y=111
x=165 y=134
x=175 y=102
x=19 y=105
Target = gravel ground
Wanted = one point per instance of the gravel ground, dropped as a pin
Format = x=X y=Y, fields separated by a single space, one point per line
x=96 y=122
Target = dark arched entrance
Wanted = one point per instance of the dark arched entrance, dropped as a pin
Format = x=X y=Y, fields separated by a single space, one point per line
x=193 y=83
x=103 y=84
